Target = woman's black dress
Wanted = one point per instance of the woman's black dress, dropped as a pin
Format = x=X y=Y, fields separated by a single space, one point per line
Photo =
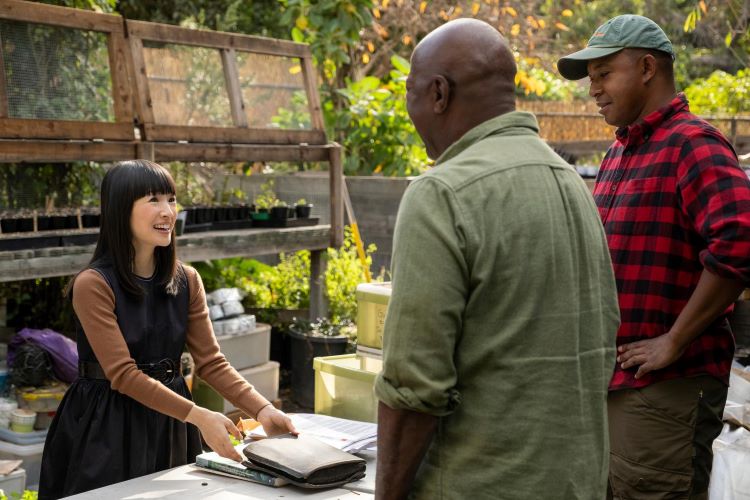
x=100 y=436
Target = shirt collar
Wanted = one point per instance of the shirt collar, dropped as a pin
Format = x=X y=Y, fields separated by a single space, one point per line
x=513 y=123
x=639 y=132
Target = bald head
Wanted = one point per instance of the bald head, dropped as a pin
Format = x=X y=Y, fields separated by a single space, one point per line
x=468 y=51
x=462 y=74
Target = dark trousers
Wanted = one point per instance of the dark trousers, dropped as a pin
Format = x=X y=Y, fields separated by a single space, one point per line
x=661 y=436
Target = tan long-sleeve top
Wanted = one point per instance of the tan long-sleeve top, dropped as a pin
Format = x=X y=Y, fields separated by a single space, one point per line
x=94 y=304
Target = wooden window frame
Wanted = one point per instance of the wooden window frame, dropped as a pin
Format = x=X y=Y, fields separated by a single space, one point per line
x=228 y=44
x=122 y=100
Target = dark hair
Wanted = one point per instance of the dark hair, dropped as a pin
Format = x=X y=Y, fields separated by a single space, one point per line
x=664 y=60
x=123 y=184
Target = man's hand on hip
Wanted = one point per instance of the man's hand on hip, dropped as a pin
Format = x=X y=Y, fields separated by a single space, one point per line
x=651 y=354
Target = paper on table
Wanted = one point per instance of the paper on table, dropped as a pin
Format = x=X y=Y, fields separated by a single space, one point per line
x=346 y=435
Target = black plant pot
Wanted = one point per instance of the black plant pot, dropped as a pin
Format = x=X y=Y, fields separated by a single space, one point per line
x=43 y=222
x=9 y=225
x=71 y=222
x=90 y=220
x=303 y=211
x=220 y=214
x=303 y=348
x=25 y=224
x=243 y=212
x=279 y=213
x=58 y=221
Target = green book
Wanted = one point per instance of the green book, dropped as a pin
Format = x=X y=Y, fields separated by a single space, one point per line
x=213 y=462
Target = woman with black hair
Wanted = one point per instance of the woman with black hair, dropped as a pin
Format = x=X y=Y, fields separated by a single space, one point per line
x=129 y=413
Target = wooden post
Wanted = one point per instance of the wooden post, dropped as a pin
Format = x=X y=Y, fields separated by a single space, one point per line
x=144 y=151
x=733 y=131
x=336 y=176
x=234 y=92
x=313 y=99
x=3 y=88
x=318 y=301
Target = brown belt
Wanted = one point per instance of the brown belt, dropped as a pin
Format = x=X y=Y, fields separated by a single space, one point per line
x=165 y=371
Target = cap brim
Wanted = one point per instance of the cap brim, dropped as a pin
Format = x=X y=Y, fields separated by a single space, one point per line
x=575 y=66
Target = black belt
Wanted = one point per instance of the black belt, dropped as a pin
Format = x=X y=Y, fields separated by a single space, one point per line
x=164 y=371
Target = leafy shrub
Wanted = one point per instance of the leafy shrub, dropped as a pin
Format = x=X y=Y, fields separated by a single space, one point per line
x=535 y=82
x=287 y=285
x=720 y=93
x=343 y=274
x=378 y=136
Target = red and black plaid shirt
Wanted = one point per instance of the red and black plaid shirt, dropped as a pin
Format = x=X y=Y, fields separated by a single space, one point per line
x=674 y=201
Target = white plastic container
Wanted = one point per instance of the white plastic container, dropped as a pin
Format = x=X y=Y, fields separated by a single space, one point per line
x=247 y=349
x=265 y=379
x=22 y=420
x=30 y=454
x=15 y=482
x=372 y=304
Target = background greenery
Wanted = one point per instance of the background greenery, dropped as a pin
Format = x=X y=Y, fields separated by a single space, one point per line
x=361 y=49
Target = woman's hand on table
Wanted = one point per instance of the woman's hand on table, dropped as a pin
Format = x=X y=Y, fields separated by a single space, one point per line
x=275 y=421
x=214 y=428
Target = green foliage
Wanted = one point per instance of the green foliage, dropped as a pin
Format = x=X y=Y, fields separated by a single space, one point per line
x=228 y=273
x=26 y=495
x=343 y=274
x=284 y=286
x=287 y=285
x=39 y=303
x=331 y=27
x=720 y=93
x=62 y=184
x=267 y=197
x=379 y=137
x=241 y=16
x=536 y=83
x=324 y=327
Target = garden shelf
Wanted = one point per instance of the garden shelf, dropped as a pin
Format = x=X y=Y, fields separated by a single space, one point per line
x=66 y=260
x=150 y=108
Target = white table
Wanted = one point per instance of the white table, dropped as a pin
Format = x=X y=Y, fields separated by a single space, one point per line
x=190 y=483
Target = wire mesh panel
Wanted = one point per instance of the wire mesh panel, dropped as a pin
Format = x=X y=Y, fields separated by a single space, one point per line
x=187 y=85
x=56 y=73
x=273 y=91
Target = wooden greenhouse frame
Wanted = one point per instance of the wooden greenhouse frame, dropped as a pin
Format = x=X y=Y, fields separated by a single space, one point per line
x=134 y=133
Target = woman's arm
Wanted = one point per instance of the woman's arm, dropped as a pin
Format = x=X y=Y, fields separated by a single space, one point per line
x=212 y=366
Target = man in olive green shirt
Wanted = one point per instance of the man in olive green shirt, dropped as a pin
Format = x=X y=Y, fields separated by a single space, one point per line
x=499 y=336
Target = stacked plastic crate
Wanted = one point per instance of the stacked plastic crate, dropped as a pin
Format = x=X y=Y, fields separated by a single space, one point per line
x=246 y=345
x=344 y=384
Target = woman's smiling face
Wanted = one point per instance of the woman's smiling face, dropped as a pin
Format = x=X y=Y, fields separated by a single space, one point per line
x=152 y=221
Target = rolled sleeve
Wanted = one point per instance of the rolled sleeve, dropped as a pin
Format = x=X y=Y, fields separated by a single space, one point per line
x=424 y=318
x=715 y=195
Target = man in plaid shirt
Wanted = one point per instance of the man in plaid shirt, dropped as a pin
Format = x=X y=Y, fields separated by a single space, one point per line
x=676 y=210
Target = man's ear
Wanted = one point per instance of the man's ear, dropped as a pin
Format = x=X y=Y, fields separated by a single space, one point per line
x=648 y=67
x=441 y=94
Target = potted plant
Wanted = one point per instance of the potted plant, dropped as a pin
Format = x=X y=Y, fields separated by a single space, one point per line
x=90 y=217
x=21 y=221
x=302 y=208
x=279 y=211
x=308 y=340
x=264 y=201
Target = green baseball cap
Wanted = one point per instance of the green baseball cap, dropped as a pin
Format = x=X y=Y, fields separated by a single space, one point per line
x=627 y=31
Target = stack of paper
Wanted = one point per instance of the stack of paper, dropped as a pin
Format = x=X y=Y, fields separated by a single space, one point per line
x=346 y=435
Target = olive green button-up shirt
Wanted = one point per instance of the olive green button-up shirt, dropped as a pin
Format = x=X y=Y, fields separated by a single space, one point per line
x=502 y=320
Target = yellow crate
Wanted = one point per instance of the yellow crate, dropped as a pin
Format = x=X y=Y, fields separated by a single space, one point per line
x=372 y=304
x=344 y=386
